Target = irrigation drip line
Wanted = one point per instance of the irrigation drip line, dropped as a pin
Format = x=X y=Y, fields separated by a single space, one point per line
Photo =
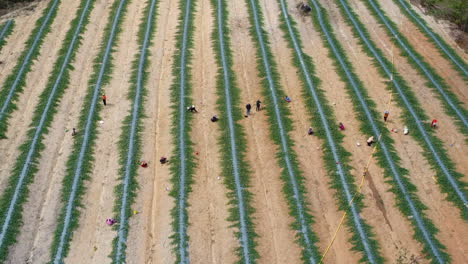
x=395 y=173
x=239 y=189
x=132 y=138
x=182 y=232
x=292 y=177
x=5 y=29
x=418 y=122
x=317 y=102
x=427 y=73
x=440 y=43
x=26 y=60
x=234 y=155
x=84 y=145
x=39 y=127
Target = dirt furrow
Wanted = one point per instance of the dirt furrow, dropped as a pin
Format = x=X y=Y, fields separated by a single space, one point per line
x=412 y=159
x=211 y=239
x=41 y=208
x=150 y=229
x=92 y=241
x=36 y=80
x=308 y=148
x=428 y=50
x=271 y=219
x=379 y=211
x=322 y=198
x=441 y=27
x=447 y=131
x=24 y=24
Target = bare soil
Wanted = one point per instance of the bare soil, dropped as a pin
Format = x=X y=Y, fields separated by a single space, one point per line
x=212 y=239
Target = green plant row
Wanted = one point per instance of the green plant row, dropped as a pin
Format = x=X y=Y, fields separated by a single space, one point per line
x=25 y=167
x=336 y=157
x=233 y=140
x=444 y=49
x=5 y=31
x=280 y=127
x=130 y=139
x=405 y=192
x=80 y=161
x=182 y=165
x=453 y=107
x=16 y=81
x=435 y=153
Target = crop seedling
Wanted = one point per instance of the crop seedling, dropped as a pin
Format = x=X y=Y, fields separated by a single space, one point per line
x=451 y=183
x=12 y=200
x=404 y=190
x=80 y=161
x=5 y=31
x=232 y=140
x=16 y=81
x=182 y=167
x=453 y=107
x=294 y=188
x=444 y=49
x=130 y=141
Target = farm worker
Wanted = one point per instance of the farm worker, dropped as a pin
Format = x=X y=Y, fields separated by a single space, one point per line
x=192 y=109
x=405 y=130
x=163 y=160
x=341 y=126
x=74 y=132
x=143 y=164
x=385 y=115
x=310 y=131
x=370 y=141
x=287 y=99
x=434 y=123
x=258 y=105
x=214 y=118
x=110 y=221
x=247 y=108
x=104 y=99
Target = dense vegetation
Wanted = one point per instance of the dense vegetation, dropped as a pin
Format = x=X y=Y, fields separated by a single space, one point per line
x=4 y=4
x=453 y=10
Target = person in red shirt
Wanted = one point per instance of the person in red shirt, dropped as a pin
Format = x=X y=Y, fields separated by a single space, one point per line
x=434 y=123
x=104 y=99
x=341 y=126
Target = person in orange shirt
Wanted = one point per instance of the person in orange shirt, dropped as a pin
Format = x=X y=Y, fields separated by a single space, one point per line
x=385 y=115
x=103 y=99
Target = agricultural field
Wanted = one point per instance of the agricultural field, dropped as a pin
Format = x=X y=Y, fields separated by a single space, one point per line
x=95 y=93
